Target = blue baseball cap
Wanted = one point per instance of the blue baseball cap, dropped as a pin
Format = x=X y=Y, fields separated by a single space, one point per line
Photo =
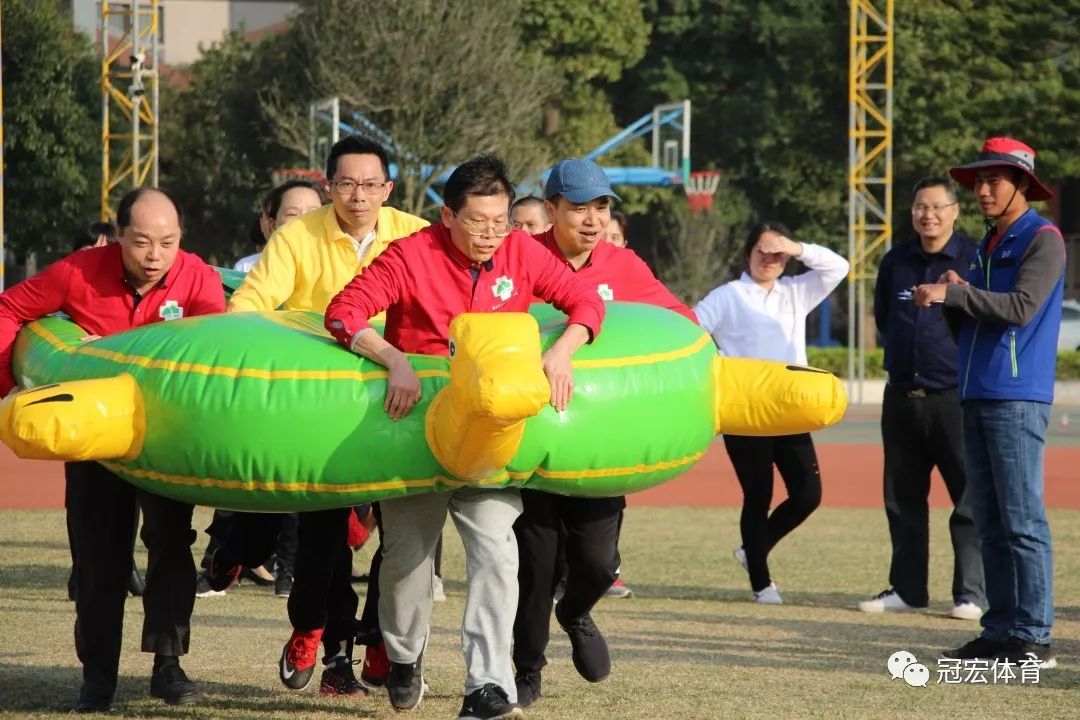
x=579 y=181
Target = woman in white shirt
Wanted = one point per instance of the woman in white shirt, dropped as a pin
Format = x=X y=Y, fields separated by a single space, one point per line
x=763 y=315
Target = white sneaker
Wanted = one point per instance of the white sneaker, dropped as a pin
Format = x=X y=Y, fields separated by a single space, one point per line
x=966 y=611
x=740 y=556
x=768 y=596
x=886 y=601
x=437 y=592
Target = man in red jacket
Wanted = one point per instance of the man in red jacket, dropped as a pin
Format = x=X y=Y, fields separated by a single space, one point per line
x=471 y=262
x=142 y=279
x=579 y=198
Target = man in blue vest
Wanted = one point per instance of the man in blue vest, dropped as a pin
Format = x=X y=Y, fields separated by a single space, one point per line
x=1006 y=316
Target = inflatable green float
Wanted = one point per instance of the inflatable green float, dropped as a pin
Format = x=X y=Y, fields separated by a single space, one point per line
x=263 y=411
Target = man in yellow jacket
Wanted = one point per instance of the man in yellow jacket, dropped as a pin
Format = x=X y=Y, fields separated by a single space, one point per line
x=308 y=260
x=305 y=263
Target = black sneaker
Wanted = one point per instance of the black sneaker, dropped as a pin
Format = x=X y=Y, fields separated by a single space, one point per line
x=338 y=679
x=528 y=688
x=488 y=703
x=283 y=584
x=220 y=576
x=590 y=650
x=203 y=589
x=1025 y=654
x=170 y=684
x=978 y=649
x=405 y=684
x=93 y=700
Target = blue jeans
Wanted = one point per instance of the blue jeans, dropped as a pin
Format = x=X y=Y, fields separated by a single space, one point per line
x=1004 y=442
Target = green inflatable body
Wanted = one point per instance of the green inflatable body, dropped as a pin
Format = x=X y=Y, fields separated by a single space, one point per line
x=263 y=411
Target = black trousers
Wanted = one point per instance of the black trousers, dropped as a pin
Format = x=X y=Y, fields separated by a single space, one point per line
x=753 y=459
x=919 y=434
x=368 y=631
x=101 y=517
x=592 y=556
x=322 y=595
x=250 y=539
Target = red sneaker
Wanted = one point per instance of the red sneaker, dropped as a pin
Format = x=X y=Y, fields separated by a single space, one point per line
x=358 y=534
x=618 y=590
x=297 y=664
x=376 y=665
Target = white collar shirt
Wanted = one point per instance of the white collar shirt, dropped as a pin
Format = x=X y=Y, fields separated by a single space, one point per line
x=745 y=320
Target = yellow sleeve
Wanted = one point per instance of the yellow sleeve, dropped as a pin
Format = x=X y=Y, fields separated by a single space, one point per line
x=271 y=281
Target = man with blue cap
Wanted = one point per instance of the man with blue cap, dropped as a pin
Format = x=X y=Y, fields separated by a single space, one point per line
x=578 y=199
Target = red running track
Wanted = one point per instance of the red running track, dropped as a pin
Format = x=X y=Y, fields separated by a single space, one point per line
x=851 y=475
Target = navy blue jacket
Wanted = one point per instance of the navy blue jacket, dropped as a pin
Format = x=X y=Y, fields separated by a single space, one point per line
x=919 y=351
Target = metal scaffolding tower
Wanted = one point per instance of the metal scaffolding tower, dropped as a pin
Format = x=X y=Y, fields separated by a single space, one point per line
x=870 y=167
x=129 y=33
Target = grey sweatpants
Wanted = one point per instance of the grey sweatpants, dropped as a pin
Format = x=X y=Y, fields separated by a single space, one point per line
x=411 y=528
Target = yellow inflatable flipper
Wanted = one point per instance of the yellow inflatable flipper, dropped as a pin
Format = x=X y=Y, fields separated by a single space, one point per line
x=78 y=420
x=764 y=397
x=475 y=424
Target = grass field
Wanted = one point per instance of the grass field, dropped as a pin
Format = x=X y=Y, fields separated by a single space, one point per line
x=687 y=645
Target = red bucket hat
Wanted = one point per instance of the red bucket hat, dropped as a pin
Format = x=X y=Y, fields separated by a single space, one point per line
x=1004 y=152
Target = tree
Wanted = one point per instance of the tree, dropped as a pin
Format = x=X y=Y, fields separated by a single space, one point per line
x=218 y=147
x=445 y=80
x=51 y=129
x=704 y=249
x=769 y=86
x=966 y=71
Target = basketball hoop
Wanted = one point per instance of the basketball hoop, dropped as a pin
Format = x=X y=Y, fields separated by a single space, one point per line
x=700 y=188
x=280 y=175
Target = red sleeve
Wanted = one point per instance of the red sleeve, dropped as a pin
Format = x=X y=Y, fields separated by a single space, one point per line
x=207 y=293
x=562 y=287
x=653 y=292
x=30 y=300
x=376 y=288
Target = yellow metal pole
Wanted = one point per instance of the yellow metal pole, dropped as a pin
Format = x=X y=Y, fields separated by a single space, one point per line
x=870 y=171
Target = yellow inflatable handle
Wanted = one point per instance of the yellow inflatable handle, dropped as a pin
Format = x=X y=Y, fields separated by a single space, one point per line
x=765 y=397
x=102 y=420
x=476 y=422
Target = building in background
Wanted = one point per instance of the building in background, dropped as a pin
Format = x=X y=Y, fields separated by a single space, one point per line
x=187 y=24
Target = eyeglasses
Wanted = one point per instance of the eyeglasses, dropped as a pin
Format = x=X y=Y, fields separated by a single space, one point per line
x=924 y=209
x=348 y=186
x=480 y=228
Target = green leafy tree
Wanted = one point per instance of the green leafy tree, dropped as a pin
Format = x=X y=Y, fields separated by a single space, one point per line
x=445 y=81
x=218 y=147
x=52 y=161
x=966 y=71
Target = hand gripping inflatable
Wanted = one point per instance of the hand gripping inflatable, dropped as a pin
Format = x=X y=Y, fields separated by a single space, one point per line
x=263 y=411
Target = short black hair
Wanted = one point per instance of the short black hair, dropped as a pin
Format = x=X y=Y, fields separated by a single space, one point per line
x=760 y=229
x=620 y=217
x=88 y=236
x=255 y=234
x=123 y=210
x=936 y=181
x=526 y=201
x=272 y=203
x=484 y=175
x=356 y=145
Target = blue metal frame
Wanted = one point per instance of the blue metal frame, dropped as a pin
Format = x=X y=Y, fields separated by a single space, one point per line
x=635 y=175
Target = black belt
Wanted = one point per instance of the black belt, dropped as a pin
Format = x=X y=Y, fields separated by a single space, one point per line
x=925 y=392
